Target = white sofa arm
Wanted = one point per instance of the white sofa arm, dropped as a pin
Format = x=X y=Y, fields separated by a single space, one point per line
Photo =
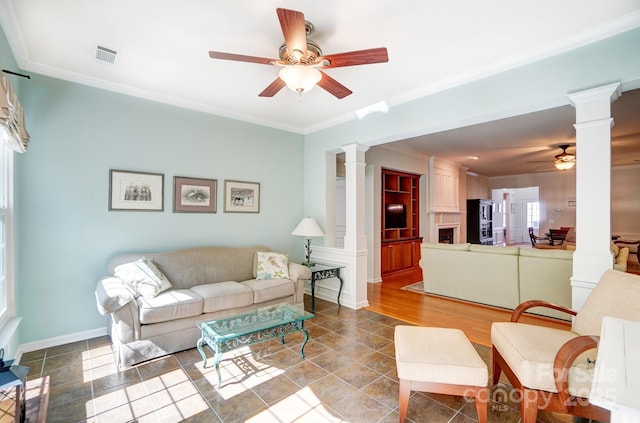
x=298 y=274
x=111 y=295
x=116 y=300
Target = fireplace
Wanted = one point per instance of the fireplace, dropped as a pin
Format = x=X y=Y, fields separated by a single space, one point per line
x=446 y=235
x=445 y=228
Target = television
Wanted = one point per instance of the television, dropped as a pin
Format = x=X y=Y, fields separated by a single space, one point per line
x=395 y=216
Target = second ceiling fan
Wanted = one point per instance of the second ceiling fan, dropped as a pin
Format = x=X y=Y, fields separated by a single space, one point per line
x=562 y=161
x=301 y=59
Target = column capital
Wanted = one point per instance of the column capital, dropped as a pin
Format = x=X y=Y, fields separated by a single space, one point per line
x=594 y=103
x=358 y=148
x=613 y=91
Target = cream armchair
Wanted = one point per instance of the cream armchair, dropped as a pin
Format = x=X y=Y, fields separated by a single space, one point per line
x=552 y=369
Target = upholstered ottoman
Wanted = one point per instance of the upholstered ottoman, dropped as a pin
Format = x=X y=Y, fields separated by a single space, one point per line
x=441 y=361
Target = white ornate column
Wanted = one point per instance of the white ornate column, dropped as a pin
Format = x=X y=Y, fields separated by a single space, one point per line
x=355 y=240
x=593 y=188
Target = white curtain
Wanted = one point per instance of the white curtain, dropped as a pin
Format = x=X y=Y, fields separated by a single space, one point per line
x=12 y=129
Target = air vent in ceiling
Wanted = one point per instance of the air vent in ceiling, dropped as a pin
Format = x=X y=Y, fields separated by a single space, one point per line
x=105 y=54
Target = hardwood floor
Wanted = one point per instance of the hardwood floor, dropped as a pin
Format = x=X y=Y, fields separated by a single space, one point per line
x=428 y=310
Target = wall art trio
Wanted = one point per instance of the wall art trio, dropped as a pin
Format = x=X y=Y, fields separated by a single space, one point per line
x=144 y=191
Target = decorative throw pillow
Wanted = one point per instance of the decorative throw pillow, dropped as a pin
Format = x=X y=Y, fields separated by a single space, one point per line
x=615 y=249
x=571 y=235
x=272 y=266
x=143 y=277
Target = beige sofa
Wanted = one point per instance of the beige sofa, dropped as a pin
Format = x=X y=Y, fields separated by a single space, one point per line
x=206 y=283
x=498 y=276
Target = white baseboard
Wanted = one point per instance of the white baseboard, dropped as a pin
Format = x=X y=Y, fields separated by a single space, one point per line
x=59 y=340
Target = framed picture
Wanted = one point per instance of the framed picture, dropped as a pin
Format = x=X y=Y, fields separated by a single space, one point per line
x=241 y=197
x=136 y=191
x=194 y=195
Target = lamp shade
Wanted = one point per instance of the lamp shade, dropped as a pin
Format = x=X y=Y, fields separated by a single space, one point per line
x=308 y=227
x=300 y=78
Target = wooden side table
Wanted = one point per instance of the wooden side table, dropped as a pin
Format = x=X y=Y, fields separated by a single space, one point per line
x=16 y=378
x=321 y=271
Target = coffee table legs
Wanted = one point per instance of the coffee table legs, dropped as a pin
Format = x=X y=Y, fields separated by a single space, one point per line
x=217 y=349
x=306 y=338
x=216 y=359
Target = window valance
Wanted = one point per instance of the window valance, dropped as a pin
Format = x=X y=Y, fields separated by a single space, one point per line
x=12 y=127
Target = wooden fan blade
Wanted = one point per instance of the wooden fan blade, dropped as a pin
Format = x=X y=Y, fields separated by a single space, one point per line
x=273 y=88
x=294 y=31
x=352 y=58
x=333 y=87
x=240 y=58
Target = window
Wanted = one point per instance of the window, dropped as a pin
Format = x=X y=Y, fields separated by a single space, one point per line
x=533 y=214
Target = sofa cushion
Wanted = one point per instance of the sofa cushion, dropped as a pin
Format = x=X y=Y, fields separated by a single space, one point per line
x=272 y=265
x=530 y=351
x=494 y=249
x=200 y=265
x=546 y=254
x=224 y=295
x=170 y=305
x=440 y=246
x=615 y=295
x=143 y=277
x=270 y=289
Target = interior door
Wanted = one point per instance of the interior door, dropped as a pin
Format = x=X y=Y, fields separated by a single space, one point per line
x=515 y=223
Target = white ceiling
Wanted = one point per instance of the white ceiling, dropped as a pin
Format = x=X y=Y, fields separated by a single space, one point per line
x=528 y=143
x=162 y=53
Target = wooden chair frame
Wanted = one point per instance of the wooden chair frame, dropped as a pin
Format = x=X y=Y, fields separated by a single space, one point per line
x=558 y=235
x=538 y=240
x=532 y=400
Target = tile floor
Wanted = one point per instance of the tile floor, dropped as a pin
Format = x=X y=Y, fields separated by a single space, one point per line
x=348 y=375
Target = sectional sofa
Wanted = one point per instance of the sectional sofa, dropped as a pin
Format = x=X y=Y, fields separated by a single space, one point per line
x=498 y=276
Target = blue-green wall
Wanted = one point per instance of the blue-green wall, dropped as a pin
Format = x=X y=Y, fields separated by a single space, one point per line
x=65 y=233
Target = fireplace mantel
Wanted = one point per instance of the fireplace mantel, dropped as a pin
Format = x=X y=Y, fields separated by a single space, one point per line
x=444 y=198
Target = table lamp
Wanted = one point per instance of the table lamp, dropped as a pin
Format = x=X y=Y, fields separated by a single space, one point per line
x=308 y=228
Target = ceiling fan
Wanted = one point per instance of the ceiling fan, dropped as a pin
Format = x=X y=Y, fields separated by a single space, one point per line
x=300 y=58
x=564 y=160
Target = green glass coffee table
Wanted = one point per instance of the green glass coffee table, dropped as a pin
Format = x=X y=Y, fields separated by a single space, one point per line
x=263 y=324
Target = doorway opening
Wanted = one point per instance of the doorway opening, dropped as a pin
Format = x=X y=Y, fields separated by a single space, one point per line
x=520 y=210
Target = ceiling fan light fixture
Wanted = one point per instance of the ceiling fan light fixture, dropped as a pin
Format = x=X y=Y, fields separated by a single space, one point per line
x=300 y=78
x=563 y=164
x=564 y=160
